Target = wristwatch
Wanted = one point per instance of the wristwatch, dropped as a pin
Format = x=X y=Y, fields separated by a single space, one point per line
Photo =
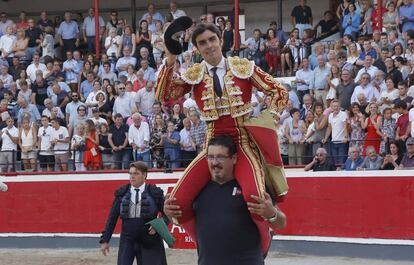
x=273 y=218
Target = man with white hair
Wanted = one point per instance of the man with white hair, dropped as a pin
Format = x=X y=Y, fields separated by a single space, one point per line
x=144 y=54
x=123 y=62
x=138 y=138
x=155 y=15
x=145 y=98
x=371 y=93
x=354 y=160
x=6 y=43
x=5 y=77
x=26 y=107
x=320 y=162
x=124 y=103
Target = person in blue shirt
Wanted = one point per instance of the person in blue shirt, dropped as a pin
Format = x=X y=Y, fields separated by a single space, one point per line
x=354 y=160
x=351 y=22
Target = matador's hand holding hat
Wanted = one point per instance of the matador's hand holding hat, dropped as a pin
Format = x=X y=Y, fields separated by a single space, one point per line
x=173 y=33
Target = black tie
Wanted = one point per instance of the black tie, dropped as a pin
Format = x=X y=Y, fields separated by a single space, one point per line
x=216 y=83
x=136 y=196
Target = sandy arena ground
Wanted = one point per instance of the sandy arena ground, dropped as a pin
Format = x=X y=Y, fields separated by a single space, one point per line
x=175 y=257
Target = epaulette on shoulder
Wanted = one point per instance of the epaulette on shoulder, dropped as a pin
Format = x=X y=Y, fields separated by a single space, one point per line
x=122 y=190
x=241 y=67
x=194 y=75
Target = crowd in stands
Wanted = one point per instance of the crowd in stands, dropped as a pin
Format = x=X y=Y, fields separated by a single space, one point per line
x=351 y=98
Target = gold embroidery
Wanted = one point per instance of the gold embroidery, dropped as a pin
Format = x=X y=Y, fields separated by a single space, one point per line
x=241 y=68
x=194 y=74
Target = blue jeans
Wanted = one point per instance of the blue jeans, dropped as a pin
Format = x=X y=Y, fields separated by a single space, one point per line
x=339 y=152
x=145 y=156
x=91 y=44
x=121 y=159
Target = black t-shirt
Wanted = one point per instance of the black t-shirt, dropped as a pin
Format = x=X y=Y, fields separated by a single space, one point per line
x=327 y=166
x=226 y=234
x=60 y=98
x=302 y=15
x=344 y=93
x=41 y=91
x=228 y=40
x=326 y=26
x=407 y=100
x=118 y=134
x=33 y=35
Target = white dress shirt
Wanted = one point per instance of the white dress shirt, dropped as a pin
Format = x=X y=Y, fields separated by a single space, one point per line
x=134 y=192
x=371 y=71
x=139 y=136
x=221 y=71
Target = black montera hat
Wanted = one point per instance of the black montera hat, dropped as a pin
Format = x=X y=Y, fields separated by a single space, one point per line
x=173 y=33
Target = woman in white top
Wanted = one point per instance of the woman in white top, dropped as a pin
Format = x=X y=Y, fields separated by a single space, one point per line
x=78 y=146
x=131 y=76
x=353 y=53
x=28 y=143
x=387 y=96
x=157 y=40
x=113 y=44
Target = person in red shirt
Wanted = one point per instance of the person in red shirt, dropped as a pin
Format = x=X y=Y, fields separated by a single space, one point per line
x=402 y=129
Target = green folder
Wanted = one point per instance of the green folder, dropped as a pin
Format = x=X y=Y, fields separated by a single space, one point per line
x=159 y=225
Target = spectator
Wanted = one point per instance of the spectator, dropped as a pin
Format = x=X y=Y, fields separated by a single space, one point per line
x=366 y=88
x=10 y=138
x=401 y=65
x=189 y=103
x=156 y=16
x=86 y=86
x=35 y=39
x=319 y=81
x=96 y=119
x=290 y=52
x=6 y=43
x=123 y=103
x=320 y=162
x=56 y=75
x=113 y=44
x=386 y=129
x=328 y=25
x=372 y=161
x=118 y=139
x=368 y=68
x=48 y=110
x=44 y=21
x=333 y=83
x=156 y=110
x=158 y=129
x=140 y=82
x=107 y=73
x=71 y=70
x=303 y=80
x=389 y=19
x=402 y=131
x=272 y=48
x=4 y=23
x=26 y=107
x=403 y=97
x=28 y=143
x=139 y=139
x=407 y=161
x=355 y=123
x=62 y=97
x=337 y=129
x=78 y=146
x=104 y=146
x=177 y=117
x=295 y=133
x=20 y=45
x=23 y=77
x=149 y=72
x=5 y=78
x=15 y=68
x=88 y=29
x=174 y=12
x=354 y=160
x=366 y=18
x=35 y=66
x=123 y=62
x=91 y=99
x=187 y=143
x=144 y=54
x=171 y=143
x=46 y=157
x=114 y=23
x=317 y=130
x=143 y=36
x=81 y=117
x=60 y=143
x=145 y=98
x=111 y=95
x=128 y=40
x=71 y=109
x=198 y=130
x=370 y=125
x=345 y=89
x=380 y=61
x=254 y=46
x=92 y=158
x=68 y=33
x=406 y=16
x=392 y=158
x=388 y=95
x=351 y=22
x=302 y=17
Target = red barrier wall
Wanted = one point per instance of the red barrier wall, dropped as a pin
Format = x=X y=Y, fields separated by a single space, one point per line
x=364 y=205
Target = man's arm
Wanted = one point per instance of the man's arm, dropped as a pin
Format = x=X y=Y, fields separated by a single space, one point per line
x=266 y=84
x=264 y=207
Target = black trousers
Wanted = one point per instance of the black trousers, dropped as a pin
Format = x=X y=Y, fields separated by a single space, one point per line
x=69 y=45
x=132 y=245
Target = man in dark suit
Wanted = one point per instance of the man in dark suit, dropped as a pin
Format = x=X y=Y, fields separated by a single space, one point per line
x=136 y=203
